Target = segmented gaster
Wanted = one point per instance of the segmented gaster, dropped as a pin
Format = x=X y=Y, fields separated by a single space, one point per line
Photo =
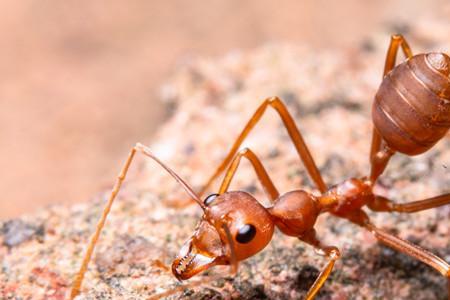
x=411 y=110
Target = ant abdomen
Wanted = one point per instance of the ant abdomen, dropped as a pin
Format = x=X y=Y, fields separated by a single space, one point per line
x=411 y=110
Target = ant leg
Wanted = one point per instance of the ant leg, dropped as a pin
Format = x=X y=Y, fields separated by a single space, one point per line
x=261 y=172
x=294 y=133
x=360 y=218
x=378 y=165
x=184 y=286
x=383 y=204
x=87 y=257
x=331 y=252
x=397 y=40
x=410 y=249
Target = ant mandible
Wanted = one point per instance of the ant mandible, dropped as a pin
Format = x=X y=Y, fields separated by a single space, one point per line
x=411 y=113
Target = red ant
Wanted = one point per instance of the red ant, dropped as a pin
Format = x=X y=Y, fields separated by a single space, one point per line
x=411 y=113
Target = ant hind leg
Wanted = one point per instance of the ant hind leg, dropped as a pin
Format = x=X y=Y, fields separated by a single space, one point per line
x=378 y=159
x=412 y=250
x=360 y=218
x=382 y=204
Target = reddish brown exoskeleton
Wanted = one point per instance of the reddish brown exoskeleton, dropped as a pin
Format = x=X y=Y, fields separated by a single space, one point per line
x=411 y=113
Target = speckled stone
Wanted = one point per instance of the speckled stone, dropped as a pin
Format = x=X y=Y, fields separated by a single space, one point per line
x=210 y=100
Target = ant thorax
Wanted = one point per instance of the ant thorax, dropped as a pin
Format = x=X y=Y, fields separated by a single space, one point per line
x=295 y=212
x=347 y=196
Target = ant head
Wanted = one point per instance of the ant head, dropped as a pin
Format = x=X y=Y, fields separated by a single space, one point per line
x=234 y=226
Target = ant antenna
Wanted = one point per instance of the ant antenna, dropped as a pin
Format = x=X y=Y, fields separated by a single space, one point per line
x=146 y=151
x=90 y=249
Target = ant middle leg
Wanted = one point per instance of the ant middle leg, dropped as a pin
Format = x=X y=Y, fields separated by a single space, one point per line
x=294 y=133
x=383 y=204
x=331 y=252
x=378 y=157
x=260 y=171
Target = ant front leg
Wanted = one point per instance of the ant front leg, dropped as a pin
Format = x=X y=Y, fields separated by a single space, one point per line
x=331 y=252
x=260 y=171
x=379 y=156
x=383 y=204
x=294 y=133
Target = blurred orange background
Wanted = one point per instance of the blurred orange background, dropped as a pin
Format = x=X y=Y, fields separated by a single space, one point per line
x=80 y=80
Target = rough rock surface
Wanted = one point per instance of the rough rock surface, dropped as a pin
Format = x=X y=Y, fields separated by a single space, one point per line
x=330 y=94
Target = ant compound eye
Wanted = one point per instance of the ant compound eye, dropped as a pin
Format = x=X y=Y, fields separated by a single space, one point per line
x=210 y=199
x=246 y=233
